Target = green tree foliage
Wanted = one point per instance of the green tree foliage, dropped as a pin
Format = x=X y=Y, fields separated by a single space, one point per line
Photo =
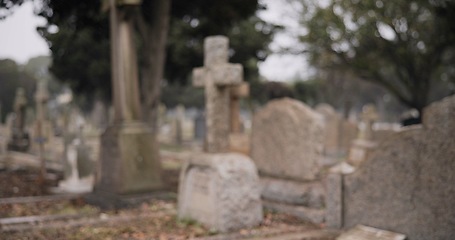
x=407 y=47
x=80 y=46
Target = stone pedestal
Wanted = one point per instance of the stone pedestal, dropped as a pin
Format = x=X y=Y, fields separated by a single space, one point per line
x=129 y=160
x=221 y=191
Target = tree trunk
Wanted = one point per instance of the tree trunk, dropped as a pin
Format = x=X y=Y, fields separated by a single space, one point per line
x=154 y=34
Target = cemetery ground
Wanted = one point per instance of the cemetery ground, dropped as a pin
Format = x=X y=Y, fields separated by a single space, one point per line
x=27 y=211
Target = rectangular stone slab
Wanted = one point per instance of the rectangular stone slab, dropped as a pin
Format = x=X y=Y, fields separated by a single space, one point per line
x=361 y=232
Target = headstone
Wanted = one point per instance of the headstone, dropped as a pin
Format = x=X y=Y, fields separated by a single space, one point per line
x=287 y=147
x=217 y=76
x=20 y=140
x=129 y=157
x=339 y=132
x=361 y=232
x=99 y=115
x=407 y=184
x=369 y=116
x=364 y=145
x=288 y=140
x=179 y=120
x=237 y=92
x=199 y=126
x=42 y=125
x=221 y=191
x=239 y=141
x=79 y=167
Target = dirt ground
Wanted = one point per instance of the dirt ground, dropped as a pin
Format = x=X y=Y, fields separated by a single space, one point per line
x=155 y=219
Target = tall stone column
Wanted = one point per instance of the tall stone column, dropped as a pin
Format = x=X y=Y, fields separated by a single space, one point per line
x=129 y=159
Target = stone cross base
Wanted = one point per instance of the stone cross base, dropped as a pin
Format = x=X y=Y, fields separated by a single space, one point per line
x=129 y=160
x=221 y=191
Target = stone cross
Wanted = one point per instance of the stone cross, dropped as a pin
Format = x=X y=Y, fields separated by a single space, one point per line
x=236 y=93
x=41 y=97
x=369 y=116
x=20 y=103
x=217 y=76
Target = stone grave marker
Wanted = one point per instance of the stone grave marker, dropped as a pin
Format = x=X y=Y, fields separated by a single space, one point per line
x=288 y=140
x=239 y=141
x=80 y=168
x=361 y=232
x=339 y=132
x=217 y=76
x=221 y=191
x=364 y=145
x=199 y=126
x=287 y=147
x=406 y=186
x=218 y=189
x=20 y=140
x=179 y=121
x=129 y=157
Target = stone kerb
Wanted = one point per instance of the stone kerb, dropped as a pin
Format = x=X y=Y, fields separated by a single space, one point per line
x=221 y=191
x=407 y=184
x=288 y=140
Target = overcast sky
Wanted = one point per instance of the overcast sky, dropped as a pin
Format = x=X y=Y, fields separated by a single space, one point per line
x=20 y=41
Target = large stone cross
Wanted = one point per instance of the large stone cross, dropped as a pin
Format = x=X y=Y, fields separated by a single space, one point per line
x=217 y=76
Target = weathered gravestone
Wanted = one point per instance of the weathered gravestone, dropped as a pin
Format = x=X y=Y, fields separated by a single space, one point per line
x=20 y=140
x=339 y=133
x=288 y=140
x=217 y=76
x=364 y=145
x=79 y=167
x=361 y=232
x=199 y=126
x=287 y=147
x=220 y=190
x=129 y=157
x=239 y=141
x=407 y=186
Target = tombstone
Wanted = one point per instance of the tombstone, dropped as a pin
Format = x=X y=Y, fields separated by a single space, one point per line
x=339 y=132
x=79 y=167
x=237 y=92
x=20 y=140
x=99 y=115
x=43 y=127
x=361 y=232
x=129 y=157
x=238 y=140
x=407 y=186
x=217 y=77
x=288 y=140
x=179 y=121
x=199 y=126
x=287 y=147
x=364 y=145
x=220 y=190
